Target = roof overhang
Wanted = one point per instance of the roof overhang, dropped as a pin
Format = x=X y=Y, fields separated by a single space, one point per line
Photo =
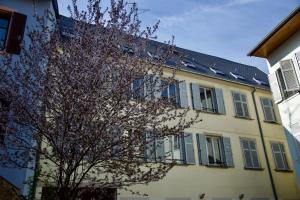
x=283 y=31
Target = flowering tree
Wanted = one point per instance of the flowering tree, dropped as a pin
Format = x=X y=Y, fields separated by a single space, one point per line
x=87 y=101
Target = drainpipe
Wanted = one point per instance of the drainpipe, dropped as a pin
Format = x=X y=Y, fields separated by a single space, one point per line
x=264 y=146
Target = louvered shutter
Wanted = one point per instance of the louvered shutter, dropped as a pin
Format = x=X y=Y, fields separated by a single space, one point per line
x=268 y=110
x=183 y=95
x=148 y=87
x=157 y=85
x=202 y=153
x=160 y=149
x=189 y=156
x=220 y=101
x=298 y=58
x=275 y=87
x=150 y=146
x=196 y=96
x=228 y=151
x=289 y=75
x=16 y=32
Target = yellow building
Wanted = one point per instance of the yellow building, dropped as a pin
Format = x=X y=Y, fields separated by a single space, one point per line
x=238 y=151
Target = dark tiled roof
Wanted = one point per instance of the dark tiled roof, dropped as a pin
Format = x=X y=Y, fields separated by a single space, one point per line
x=203 y=63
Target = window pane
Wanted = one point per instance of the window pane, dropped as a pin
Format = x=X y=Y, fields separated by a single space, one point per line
x=164 y=93
x=246 y=112
x=172 y=93
x=243 y=98
x=245 y=144
x=269 y=114
x=210 y=151
x=236 y=97
x=275 y=147
x=248 y=158
x=239 y=109
x=4 y=23
x=202 y=98
x=279 y=161
x=252 y=145
x=217 y=150
x=138 y=88
x=255 y=159
x=209 y=100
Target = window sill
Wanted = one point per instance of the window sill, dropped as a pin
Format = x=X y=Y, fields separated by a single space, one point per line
x=216 y=166
x=247 y=118
x=208 y=112
x=254 y=168
x=284 y=170
x=271 y=122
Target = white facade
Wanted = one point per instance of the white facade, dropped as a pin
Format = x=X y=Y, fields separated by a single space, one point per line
x=289 y=106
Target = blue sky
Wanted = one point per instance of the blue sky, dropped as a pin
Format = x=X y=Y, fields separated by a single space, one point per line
x=224 y=28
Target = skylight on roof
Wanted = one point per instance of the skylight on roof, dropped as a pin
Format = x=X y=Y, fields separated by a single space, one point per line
x=152 y=55
x=188 y=64
x=237 y=76
x=216 y=71
x=260 y=82
x=127 y=49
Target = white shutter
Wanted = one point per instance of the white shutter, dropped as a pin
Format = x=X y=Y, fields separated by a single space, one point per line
x=275 y=87
x=196 y=96
x=298 y=58
x=183 y=95
x=289 y=75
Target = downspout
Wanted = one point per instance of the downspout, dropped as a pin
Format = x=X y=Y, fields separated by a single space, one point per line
x=264 y=146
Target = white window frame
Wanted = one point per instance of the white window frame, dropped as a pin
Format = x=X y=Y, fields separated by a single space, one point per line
x=271 y=106
x=214 y=110
x=242 y=103
x=177 y=93
x=213 y=148
x=282 y=155
x=252 y=151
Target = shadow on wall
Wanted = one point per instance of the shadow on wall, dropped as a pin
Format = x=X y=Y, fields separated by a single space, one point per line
x=294 y=146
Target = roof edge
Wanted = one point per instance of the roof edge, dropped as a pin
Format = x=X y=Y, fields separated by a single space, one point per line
x=275 y=30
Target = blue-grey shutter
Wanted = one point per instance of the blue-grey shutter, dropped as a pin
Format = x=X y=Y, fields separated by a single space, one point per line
x=196 y=96
x=220 y=101
x=157 y=85
x=160 y=149
x=201 y=144
x=228 y=152
x=150 y=146
x=148 y=87
x=183 y=95
x=189 y=156
x=182 y=150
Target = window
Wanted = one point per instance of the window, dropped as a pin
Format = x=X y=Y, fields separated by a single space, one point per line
x=260 y=82
x=12 y=26
x=207 y=99
x=138 y=88
x=237 y=76
x=279 y=156
x=268 y=109
x=4 y=25
x=287 y=78
x=250 y=153
x=213 y=146
x=216 y=71
x=240 y=104
x=170 y=92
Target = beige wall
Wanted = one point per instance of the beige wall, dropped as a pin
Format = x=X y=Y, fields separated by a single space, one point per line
x=187 y=182
x=194 y=180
